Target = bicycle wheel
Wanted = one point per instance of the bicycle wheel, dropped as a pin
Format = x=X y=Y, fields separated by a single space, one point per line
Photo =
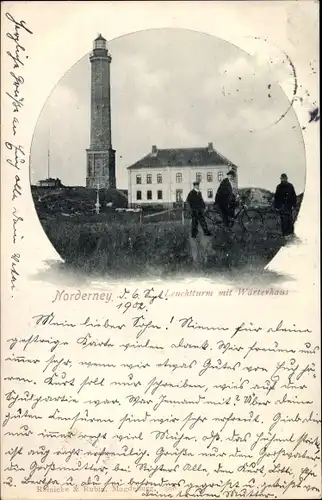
x=251 y=220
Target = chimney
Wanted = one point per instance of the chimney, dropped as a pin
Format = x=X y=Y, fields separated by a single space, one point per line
x=154 y=150
x=210 y=147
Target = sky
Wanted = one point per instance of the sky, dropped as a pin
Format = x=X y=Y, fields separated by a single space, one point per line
x=176 y=88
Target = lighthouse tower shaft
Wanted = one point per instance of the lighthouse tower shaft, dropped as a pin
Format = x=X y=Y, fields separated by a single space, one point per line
x=100 y=155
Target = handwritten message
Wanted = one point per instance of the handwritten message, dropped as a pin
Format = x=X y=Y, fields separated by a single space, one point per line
x=133 y=395
x=18 y=33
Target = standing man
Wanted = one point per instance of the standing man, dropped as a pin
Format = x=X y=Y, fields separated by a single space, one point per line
x=197 y=207
x=226 y=198
x=285 y=202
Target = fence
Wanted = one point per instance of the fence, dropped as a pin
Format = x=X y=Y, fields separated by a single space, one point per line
x=171 y=214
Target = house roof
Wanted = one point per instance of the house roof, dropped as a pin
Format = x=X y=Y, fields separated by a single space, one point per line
x=181 y=157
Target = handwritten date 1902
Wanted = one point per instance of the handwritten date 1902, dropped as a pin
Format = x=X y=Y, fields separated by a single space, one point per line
x=125 y=306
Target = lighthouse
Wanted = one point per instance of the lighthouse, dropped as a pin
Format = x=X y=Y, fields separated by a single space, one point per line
x=100 y=155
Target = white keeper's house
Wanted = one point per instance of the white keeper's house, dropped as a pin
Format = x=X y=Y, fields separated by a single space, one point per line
x=165 y=176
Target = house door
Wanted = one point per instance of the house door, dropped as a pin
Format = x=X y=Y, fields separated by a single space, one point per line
x=179 y=195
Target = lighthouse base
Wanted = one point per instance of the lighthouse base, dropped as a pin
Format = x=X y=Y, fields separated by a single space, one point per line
x=100 y=169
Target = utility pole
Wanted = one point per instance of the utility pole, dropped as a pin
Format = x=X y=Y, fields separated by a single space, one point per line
x=48 y=155
x=48 y=164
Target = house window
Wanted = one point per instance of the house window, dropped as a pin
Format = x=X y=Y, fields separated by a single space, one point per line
x=179 y=195
x=198 y=177
x=210 y=193
x=159 y=195
x=149 y=179
x=178 y=178
x=209 y=176
x=159 y=178
x=220 y=176
x=138 y=179
x=149 y=195
x=139 y=195
x=180 y=159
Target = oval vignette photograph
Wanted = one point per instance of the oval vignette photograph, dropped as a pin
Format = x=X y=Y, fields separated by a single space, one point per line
x=168 y=153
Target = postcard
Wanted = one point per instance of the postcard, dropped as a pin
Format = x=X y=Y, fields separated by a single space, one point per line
x=160 y=282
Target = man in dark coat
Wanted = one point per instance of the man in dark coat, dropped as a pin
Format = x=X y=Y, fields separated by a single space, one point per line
x=285 y=202
x=225 y=198
x=197 y=207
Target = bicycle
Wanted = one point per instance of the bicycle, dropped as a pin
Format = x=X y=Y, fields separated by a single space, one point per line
x=250 y=219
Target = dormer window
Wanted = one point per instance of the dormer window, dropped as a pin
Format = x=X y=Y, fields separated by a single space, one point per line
x=196 y=158
x=180 y=159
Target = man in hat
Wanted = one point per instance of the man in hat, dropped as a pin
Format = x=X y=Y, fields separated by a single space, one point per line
x=197 y=207
x=226 y=198
x=285 y=202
